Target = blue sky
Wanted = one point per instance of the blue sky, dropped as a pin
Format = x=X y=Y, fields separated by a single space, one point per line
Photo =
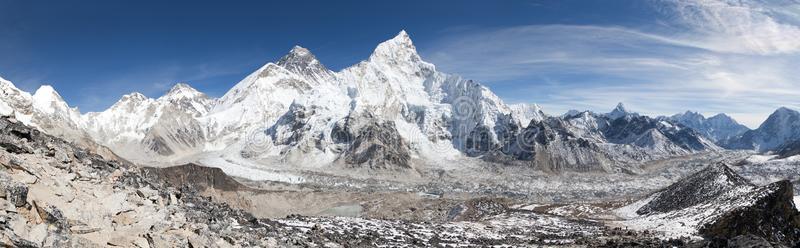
x=658 y=56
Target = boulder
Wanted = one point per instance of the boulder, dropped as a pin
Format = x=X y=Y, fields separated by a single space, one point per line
x=16 y=194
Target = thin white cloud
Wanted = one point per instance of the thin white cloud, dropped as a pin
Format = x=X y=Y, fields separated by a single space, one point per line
x=738 y=26
x=731 y=57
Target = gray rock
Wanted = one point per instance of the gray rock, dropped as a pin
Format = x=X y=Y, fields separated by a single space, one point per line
x=17 y=194
x=83 y=229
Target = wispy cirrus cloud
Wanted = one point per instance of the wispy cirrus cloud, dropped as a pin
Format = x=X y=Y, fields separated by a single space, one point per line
x=737 y=57
x=750 y=27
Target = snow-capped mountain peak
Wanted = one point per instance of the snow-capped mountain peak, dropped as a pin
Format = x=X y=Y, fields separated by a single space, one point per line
x=722 y=117
x=181 y=91
x=619 y=111
x=134 y=96
x=780 y=128
x=392 y=105
x=184 y=97
x=301 y=61
x=396 y=50
x=47 y=100
x=691 y=116
x=780 y=119
x=527 y=112
x=718 y=128
x=48 y=91
x=131 y=99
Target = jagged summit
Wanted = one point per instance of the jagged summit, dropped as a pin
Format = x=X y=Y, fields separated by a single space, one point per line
x=780 y=128
x=620 y=107
x=398 y=49
x=48 y=100
x=300 y=60
x=401 y=38
x=719 y=128
x=182 y=91
x=180 y=87
x=784 y=110
x=780 y=121
x=129 y=99
x=693 y=114
x=619 y=111
x=300 y=51
x=527 y=112
x=47 y=91
x=722 y=116
x=134 y=96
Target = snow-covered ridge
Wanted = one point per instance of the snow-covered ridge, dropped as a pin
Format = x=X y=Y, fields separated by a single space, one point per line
x=299 y=112
x=781 y=128
x=719 y=128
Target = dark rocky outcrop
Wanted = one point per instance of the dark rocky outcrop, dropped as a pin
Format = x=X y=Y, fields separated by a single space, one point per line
x=727 y=207
x=701 y=187
x=193 y=175
x=14 y=192
x=773 y=217
x=379 y=146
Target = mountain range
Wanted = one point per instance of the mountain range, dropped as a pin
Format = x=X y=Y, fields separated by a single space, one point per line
x=390 y=111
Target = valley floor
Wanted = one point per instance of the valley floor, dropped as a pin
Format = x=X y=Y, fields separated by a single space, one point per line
x=317 y=192
x=57 y=195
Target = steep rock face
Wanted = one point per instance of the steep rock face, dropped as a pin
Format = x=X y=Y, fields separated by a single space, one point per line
x=772 y=216
x=550 y=145
x=378 y=146
x=719 y=128
x=780 y=128
x=718 y=203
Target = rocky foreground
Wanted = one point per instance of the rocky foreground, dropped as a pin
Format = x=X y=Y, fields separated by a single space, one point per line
x=54 y=194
